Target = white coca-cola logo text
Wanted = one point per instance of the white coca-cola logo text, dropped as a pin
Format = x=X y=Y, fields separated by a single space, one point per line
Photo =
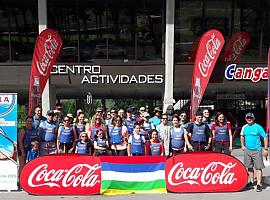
x=72 y=177
x=237 y=47
x=206 y=175
x=50 y=47
x=212 y=47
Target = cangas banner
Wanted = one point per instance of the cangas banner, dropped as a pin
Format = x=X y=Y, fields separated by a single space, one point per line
x=212 y=172
x=46 y=50
x=209 y=48
x=62 y=174
x=236 y=47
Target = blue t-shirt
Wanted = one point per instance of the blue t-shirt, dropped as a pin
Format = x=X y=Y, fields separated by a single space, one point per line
x=252 y=135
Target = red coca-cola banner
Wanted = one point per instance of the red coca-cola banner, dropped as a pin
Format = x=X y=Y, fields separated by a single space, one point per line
x=46 y=50
x=236 y=47
x=62 y=174
x=208 y=51
x=205 y=172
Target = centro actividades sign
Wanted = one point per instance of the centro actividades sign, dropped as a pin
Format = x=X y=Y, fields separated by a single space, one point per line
x=92 y=74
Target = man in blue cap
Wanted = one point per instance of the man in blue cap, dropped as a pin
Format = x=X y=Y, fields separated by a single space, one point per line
x=251 y=135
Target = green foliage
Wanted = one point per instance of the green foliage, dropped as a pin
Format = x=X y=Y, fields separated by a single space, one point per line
x=22 y=114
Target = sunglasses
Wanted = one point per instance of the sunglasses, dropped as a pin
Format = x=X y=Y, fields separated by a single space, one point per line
x=142 y=110
x=66 y=120
x=182 y=115
x=249 y=117
x=83 y=136
x=165 y=118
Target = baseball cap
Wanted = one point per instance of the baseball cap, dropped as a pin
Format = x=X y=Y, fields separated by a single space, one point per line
x=129 y=110
x=250 y=114
x=70 y=115
x=157 y=109
x=113 y=110
x=142 y=108
x=66 y=118
x=99 y=109
x=50 y=112
x=146 y=114
x=199 y=113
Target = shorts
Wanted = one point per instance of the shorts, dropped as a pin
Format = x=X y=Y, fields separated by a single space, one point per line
x=253 y=159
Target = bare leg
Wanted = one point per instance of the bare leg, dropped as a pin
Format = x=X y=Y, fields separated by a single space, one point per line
x=251 y=175
x=259 y=176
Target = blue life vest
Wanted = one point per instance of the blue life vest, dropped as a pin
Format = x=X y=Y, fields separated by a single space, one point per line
x=198 y=134
x=65 y=135
x=83 y=148
x=116 y=135
x=177 y=138
x=79 y=129
x=147 y=127
x=130 y=125
x=144 y=133
x=222 y=133
x=48 y=131
x=94 y=131
x=101 y=142
x=137 y=145
x=155 y=149
x=30 y=135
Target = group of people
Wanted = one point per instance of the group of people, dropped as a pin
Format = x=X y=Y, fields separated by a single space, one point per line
x=126 y=133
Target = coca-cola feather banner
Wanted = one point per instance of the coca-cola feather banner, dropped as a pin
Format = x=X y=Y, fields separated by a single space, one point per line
x=208 y=51
x=46 y=50
x=236 y=47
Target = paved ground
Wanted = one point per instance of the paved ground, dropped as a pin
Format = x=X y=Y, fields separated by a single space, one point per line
x=245 y=195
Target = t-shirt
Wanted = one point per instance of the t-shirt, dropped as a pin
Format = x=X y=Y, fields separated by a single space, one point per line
x=252 y=134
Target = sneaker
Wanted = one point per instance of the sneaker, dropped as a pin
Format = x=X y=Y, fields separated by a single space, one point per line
x=259 y=188
x=250 y=185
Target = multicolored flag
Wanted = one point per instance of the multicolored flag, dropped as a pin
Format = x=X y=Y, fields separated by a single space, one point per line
x=134 y=174
x=46 y=50
x=208 y=51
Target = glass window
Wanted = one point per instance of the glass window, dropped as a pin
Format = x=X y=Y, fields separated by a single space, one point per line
x=97 y=30
x=18 y=30
x=194 y=17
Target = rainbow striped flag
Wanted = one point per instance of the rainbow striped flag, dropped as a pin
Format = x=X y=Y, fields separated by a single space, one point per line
x=137 y=174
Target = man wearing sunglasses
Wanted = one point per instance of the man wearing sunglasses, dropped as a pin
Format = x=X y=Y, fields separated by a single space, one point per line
x=251 y=135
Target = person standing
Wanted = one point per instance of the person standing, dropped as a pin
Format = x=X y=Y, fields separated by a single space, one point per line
x=164 y=133
x=199 y=134
x=136 y=142
x=48 y=133
x=250 y=137
x=177 y=141
x=66 y=138
x=118 y=137
x=222 y=134
x=38 y=118
x=156 y=119
x=26 y=136
x=206 y=118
